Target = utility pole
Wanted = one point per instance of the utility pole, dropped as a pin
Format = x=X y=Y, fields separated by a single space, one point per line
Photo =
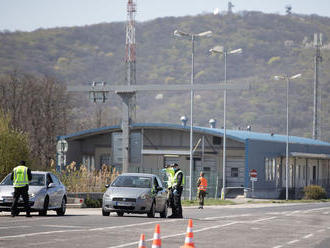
x=317 y=60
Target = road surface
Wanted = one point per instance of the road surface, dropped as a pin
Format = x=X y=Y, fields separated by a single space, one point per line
x=243 y=226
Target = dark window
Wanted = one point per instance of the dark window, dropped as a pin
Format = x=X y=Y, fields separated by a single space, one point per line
x=216 y=140
x=234 y=172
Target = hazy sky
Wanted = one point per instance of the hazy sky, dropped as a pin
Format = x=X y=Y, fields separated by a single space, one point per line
x=28 y=15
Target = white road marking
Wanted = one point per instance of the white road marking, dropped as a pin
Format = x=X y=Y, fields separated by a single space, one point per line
x=64 y=226
x=293 y=212
x=225 y=217
x=259 y=220
x=39 y=233
x=321 y=230
x=326 y=213
x=293 y=241
x=308 y=236
x=11 y=227
x=278 y=246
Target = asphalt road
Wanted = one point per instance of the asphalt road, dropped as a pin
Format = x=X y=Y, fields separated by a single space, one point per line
x=247 y=225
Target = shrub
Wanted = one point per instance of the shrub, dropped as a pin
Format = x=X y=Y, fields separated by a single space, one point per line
x=314 y=192
x=91 y=203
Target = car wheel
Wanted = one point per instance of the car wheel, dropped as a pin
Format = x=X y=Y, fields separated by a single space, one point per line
x=121 y=214
x=105 y=213
x=61 y=211
x=152 y=211
x=164 y=213
x=44 y=211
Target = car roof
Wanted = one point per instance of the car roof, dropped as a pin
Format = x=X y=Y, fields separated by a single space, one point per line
x=138 y=174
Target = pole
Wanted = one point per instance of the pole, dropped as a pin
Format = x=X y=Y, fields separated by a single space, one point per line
x=316 y=83
x=223 y=195
x=287 y=142
x=191 y=119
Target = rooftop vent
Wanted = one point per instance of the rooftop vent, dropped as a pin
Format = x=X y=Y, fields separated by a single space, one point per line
x=248 y=128
x=212 y=123
x=184 y=120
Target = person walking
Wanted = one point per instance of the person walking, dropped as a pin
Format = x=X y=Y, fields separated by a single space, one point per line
x=202 y=186
x=21 y=176
x=177 y=189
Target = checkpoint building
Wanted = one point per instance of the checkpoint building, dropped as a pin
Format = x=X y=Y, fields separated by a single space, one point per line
x=152 y=145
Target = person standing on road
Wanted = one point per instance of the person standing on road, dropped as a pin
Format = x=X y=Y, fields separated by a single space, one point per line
x=170 y=177
x=177 y=189
x=202 y=186
x=21 y=176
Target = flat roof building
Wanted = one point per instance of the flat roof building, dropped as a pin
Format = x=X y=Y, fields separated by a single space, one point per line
x=152 y=145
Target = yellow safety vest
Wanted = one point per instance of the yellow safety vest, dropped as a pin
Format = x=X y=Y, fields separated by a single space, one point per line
x=20 y=176
x=170 y=177
x=175 y=180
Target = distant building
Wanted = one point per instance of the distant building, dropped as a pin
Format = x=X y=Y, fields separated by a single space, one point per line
x=153 y=145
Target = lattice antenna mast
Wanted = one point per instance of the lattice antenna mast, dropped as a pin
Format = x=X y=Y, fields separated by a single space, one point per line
x=131 y=51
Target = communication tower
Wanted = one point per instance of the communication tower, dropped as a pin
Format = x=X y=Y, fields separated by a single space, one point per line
x=131 y=52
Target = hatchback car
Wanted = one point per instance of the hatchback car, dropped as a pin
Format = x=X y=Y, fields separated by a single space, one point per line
x=46 y=192
x=135 y=193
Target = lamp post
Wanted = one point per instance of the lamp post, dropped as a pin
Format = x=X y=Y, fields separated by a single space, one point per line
x=192 y=37
x=225 y=52
x=287 y=79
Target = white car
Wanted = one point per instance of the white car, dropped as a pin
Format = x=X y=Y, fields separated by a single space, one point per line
x=46 y=192
x=135 y=193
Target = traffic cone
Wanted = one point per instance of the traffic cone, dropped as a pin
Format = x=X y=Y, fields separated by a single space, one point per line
x=142 y=243
x=188 y=242
x=157 y=243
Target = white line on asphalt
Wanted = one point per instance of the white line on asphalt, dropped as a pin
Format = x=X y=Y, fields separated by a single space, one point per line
x=293 y=241
x=64 y=226
x=326 y=213
x=177 y=234
x=321 y=230
x=228 y=216
x=308 y=236
x=11 y=227
x=278 y=246
x=259 y=220
x=39 y=233
x=293 y=212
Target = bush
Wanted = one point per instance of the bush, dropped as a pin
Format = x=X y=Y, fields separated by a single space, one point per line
x=91 y=203
x=314 y=192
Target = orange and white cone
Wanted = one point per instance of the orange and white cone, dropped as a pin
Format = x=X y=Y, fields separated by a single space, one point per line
x=157 y=243
x=142 y=243
x=188 y=242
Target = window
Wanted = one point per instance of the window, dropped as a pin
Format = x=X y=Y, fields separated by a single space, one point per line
x=270 y=169
x=216 y=140
x=234 y=172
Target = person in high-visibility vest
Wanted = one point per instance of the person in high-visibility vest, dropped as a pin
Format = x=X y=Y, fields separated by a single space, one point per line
x=177 y=189
x=169 y=170
x=202 y=186
x=21 y=176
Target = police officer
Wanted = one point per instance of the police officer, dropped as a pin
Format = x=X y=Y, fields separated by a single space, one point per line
x=202 y=186
x=21 y=176
x=177 y=189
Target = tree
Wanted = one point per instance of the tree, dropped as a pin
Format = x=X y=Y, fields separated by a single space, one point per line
x=13 y=146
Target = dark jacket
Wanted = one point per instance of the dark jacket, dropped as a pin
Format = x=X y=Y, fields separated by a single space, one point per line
x=179 y=178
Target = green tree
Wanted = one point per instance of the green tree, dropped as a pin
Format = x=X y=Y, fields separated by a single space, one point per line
x=13 y=146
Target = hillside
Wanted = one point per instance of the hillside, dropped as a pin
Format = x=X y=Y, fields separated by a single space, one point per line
x=272 y=45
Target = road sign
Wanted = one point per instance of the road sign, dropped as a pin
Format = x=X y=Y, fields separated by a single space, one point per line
x=253 y=173
x=62 y=146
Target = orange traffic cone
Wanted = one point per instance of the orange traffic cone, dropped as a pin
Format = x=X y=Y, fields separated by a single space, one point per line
x=142 y=243
x=157 y=243
x=188 y=242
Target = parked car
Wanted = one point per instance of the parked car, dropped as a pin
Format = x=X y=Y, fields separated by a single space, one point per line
x=135 y=193
x=46 y=192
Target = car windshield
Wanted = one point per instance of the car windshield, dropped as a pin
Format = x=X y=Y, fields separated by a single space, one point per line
x=37 y=180
x=132 y=182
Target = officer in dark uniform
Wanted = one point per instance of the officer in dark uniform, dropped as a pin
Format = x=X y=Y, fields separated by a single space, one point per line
x=177 y=189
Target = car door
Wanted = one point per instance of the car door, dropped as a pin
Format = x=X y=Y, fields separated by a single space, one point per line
x=51 y=191
x=58 y=191
x=160 y=196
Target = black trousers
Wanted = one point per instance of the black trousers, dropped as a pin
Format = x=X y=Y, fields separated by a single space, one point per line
x=201 y=196
x=170 y=200
x=21 y=191
x=177 y=208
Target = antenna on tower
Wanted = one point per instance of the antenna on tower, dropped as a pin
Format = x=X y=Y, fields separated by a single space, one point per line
x=288 y=9
x=230 y=7
x=131 y=52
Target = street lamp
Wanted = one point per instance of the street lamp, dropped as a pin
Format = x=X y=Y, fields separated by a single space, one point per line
x=192 y=37
x=225 y=52
x=287 y=79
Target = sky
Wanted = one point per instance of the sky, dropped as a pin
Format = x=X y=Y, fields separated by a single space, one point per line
x=29 y=15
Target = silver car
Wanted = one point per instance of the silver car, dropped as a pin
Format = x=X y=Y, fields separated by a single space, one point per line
x=46 y=192
x=135 y=193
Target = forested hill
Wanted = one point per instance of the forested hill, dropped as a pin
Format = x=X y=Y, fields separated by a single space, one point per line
x=272 y=45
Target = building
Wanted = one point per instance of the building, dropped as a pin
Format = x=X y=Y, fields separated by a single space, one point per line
x=154 y=145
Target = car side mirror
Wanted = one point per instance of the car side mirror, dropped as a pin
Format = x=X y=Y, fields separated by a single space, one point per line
x=107 y=185
x=51 y=185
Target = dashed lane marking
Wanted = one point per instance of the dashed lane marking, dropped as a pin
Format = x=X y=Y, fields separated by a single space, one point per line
x=293 y=241
x=308 y=236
